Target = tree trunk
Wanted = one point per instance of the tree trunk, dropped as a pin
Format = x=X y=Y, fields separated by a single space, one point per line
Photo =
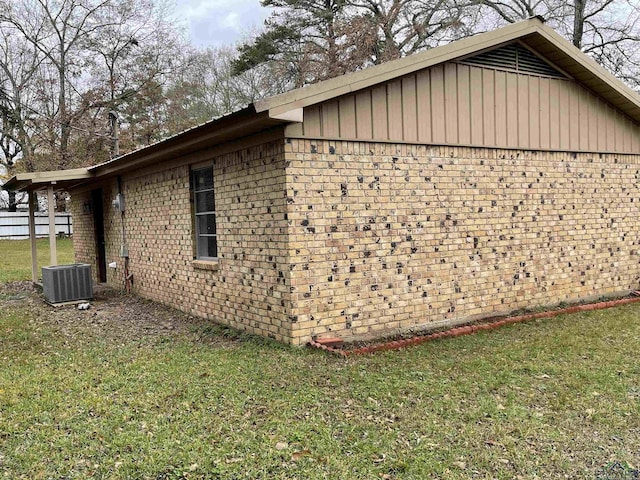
x=62 y=105
x=60 y=201
x=12 y=202
x=578 y=22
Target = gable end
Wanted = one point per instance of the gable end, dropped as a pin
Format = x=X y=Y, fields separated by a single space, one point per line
x=472 y=105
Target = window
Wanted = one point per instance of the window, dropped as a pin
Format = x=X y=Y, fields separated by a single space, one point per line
x=205 y=213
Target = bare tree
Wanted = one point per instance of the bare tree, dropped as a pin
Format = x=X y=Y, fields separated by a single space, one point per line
x=311 y=40
x=607 y=30
x=299 y=35
x=59 y=31
x=137 y=51
x=65 y=64
x=92 y=57
x=403 y=27
x=18 y=65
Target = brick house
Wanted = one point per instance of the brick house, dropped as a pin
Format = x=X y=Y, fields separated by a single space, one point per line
x=492 y=174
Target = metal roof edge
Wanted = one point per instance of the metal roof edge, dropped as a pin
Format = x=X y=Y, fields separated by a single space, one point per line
x=249 y=109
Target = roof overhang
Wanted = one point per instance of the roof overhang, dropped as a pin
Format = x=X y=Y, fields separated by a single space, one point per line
x=532 y=32
x=231 y=127
x=60 y=180
x=228 y=128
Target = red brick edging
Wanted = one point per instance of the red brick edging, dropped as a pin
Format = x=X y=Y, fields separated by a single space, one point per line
x=464 y=330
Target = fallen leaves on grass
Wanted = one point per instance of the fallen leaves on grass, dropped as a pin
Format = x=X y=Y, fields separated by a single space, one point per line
x=295 y=456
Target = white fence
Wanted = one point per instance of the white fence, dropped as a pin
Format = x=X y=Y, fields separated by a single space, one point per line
x=15 y=225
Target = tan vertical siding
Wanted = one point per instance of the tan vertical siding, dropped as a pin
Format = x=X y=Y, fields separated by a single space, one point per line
x=409 y=109
x=512 y=111
x=311 y=124
x=451 y=102
x=562 y=123
x=602 y=129
x=624 y=137
x=611 y=128
x=545 y=118
x=331 y=119
x=554 y=115
x=423 y=97
x=594 y=115
x=380 y=114
x=437 y=105
x=500 y=93
x=628 y=142
x=534 y=110
x=489 y=106
x=456 y=104
x=560 y=128
x=477 y=111
x=364 y=123
x=464 y=105
x=394 y=108
x=574 y=117
x=583 y=109
x=347 y=108
x=524 y=117
x=619 y=132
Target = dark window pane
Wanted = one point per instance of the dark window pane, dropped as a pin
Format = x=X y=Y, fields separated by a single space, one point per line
x=207 y=247
x=212 y=246
x=205 y=202
x=207 y=224
x=203 y=178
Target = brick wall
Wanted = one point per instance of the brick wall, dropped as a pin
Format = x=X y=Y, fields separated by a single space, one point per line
x=249 y=287
x=359 y=239
x=113 y=221
x=84 y=246
x=387 y=237
x=84 y=243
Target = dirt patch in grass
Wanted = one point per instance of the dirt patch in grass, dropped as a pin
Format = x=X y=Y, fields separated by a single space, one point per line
x=113 y=317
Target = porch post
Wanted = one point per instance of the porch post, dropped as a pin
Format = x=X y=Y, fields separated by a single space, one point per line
x=33 y=201
x=52 y=225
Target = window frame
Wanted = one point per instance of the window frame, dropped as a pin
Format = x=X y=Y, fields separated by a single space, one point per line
x=196 y=214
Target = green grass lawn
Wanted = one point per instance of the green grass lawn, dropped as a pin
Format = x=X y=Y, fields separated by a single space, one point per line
x=547 y=399
x=16 y=257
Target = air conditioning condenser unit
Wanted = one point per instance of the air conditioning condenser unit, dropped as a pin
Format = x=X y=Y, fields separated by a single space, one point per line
x=67 y=283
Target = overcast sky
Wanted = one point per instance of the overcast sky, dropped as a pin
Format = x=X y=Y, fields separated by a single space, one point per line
x=220 y=22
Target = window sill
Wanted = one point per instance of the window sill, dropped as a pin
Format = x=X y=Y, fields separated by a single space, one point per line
x=211 y=265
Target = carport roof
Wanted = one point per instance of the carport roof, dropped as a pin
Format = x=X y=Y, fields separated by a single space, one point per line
x=60 y=179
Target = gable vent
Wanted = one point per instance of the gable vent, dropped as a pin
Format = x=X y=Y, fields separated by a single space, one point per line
x=514 y=57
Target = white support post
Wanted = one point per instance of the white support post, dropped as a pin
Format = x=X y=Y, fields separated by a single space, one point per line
x=52 y=225
x=33 y=202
